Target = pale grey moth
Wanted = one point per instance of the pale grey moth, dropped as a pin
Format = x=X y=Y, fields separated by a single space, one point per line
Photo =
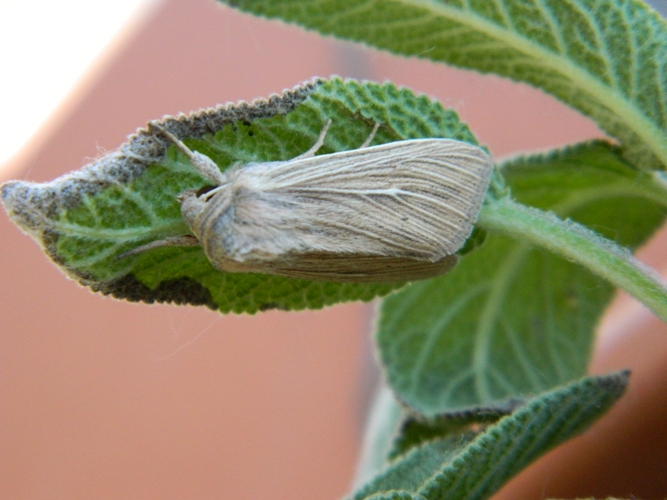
x=394 y=212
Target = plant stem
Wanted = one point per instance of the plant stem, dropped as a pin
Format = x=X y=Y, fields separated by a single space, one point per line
x=577 y=243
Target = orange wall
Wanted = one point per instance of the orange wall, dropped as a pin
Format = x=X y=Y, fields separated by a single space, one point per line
x=104 y=399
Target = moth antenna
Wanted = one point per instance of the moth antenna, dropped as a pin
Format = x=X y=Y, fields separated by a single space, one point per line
x=318 y=143
x=204 y=165
x=371 y=136
x=185 y=240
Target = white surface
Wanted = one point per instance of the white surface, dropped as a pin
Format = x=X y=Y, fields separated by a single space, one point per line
x=46 y=47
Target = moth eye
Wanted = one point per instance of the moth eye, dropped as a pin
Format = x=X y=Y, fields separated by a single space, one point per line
x=204 y=190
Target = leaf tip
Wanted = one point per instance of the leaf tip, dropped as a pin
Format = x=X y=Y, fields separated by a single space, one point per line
x=15 y=197
x=615 y=383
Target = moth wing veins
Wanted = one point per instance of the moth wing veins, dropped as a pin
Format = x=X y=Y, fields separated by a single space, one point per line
x=418 y=198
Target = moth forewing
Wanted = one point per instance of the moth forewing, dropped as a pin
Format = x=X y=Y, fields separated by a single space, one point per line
x=393 y=212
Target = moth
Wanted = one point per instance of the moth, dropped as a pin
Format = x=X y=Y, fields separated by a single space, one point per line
x=394 y=212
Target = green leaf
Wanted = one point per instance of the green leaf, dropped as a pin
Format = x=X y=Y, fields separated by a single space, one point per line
x=512 y=320
x=474 y=467
x=85 y=219
x=606 y=58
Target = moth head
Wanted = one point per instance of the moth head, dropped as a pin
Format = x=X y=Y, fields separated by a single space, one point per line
x=193 y=204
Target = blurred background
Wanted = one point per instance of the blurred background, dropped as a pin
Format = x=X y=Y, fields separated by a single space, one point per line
x=106 y=399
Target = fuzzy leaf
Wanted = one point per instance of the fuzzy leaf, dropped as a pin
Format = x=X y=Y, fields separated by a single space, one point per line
x=474 y=467
x=606 y=58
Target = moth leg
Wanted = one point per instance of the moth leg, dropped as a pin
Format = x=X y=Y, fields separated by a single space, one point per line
x=204 y=165
x=318 y=143
x=185 y=240
x=371 y=136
